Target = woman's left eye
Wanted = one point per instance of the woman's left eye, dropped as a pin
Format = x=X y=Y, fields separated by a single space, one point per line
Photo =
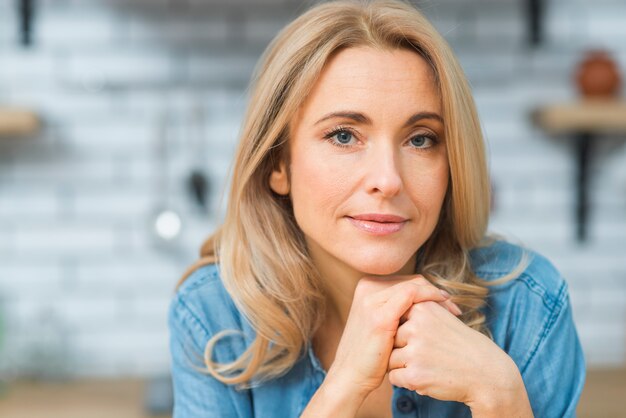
x=343 y=137
x=423 y=141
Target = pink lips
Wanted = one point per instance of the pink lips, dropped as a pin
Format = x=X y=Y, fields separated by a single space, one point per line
x=377 y=223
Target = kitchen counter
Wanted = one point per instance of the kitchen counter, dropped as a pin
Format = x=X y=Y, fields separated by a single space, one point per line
x=603 y=397
x=74 y=399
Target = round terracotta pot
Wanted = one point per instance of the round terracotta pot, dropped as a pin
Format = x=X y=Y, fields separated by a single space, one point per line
x=597 y=75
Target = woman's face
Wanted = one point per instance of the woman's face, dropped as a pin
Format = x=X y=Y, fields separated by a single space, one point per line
x=368 y=141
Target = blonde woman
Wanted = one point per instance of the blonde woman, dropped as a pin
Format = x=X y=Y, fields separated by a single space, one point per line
x=352 y=275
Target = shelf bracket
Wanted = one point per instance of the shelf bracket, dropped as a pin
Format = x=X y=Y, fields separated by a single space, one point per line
x=583 y=151
x=26 y=13
x=535 y=21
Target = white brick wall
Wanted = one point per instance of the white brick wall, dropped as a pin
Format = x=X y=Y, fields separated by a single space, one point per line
x=81 y=276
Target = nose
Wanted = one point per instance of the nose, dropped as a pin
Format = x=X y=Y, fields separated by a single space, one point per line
x=383 y=171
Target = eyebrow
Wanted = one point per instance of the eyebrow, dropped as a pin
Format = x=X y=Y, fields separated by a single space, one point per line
x=361 y=118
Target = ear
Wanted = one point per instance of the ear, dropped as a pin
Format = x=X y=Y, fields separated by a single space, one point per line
x=279 y=182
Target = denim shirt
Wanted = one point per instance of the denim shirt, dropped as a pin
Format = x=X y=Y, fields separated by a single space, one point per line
x=530 y=319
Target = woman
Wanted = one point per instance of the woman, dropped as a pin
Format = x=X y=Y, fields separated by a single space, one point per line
x=352 y=276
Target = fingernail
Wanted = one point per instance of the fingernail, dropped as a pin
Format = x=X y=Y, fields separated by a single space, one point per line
x=444 y=293
x=457 y=309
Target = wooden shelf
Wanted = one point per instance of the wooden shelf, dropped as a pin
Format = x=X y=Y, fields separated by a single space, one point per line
x=18 y=122
x=584 y=122
x=592 y=116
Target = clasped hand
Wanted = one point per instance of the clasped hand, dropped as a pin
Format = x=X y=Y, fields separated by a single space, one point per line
x=409 y=329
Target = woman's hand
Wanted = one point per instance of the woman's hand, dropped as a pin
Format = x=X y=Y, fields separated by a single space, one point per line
x=362 y=356
x=437 y=355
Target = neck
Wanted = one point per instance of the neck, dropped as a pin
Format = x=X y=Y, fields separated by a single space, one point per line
x=339 y=282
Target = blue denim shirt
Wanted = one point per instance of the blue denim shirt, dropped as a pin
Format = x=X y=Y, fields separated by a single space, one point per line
x=530 y=319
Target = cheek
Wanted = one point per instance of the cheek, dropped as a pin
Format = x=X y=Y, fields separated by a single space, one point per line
x=317 y=182
x=428 y=183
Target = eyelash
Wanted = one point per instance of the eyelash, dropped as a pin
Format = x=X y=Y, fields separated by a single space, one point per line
x=328 y=136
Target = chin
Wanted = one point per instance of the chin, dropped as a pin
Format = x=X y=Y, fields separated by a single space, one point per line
x=380 y=269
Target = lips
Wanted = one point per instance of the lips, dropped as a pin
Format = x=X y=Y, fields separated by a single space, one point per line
x=379 y=217
x=378 y=224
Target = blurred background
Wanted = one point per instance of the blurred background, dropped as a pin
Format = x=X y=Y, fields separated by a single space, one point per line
x=118 y=122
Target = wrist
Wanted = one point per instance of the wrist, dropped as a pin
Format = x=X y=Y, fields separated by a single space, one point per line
x=344 y=387
x=334 y=398
x=505 y=396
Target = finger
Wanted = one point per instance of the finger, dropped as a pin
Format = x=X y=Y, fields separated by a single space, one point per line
x=408 y=294
x=397 y=359
x=411 y=311
x=404 y=331
x=392 y=290
x=400 y=377
x=401 y=339
x=450 y=306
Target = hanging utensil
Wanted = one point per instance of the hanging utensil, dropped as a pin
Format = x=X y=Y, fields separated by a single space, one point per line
x=166 y=222
x=198 y=183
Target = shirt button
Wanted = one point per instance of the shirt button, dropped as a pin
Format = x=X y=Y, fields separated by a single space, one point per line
x=405 y=404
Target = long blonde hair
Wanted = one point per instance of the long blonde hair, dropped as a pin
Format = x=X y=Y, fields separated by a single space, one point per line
x=263 y=258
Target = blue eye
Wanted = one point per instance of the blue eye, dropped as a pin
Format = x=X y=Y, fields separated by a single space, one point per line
x=343 y=136
x=419 y=141
x=340 y=137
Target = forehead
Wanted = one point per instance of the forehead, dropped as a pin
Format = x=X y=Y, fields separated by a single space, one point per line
x=385 y=82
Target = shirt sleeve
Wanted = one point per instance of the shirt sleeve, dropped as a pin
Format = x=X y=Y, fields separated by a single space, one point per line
x=554 y=375
x=198 y=394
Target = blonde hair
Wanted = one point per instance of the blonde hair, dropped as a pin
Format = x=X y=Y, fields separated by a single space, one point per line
x=263 y=259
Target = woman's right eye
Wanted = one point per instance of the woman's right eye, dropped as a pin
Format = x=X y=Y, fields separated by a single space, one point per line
x=340 y=137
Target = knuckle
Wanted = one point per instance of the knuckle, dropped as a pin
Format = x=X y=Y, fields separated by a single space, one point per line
x=414 y=331
x=421 y=280
x=414 y=376
x=414 y=312
x=367 y=301
x=420 y=308
x=410 y=386
x=375 y=323
x=424 y=281
x=393 y=378
x=410 y=292
x=410 y=352
x=426 y=289
x=428 y=306
x=420 y=314
x=415 y=348
x=362 y=285
x=379 y=321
